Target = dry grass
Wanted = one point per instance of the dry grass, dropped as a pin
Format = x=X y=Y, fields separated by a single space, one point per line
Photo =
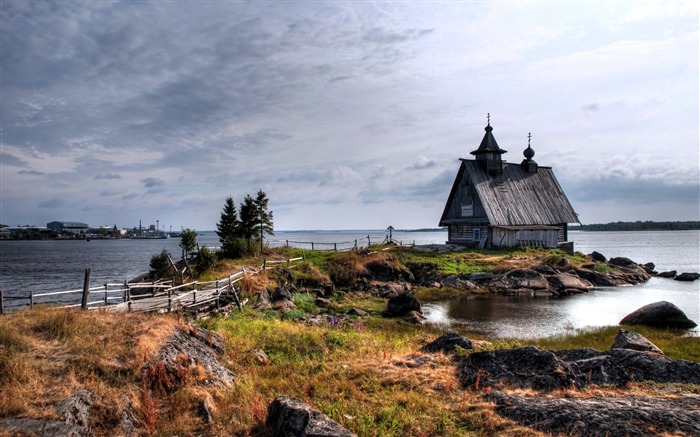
x=47 y=355
x=366 y=373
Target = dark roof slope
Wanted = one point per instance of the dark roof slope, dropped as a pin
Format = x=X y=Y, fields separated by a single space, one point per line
x=519 y=198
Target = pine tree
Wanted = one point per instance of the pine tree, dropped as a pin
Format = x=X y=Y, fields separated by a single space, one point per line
x=227 y=228
x=229 y=232
x=263 y=223
x=247 y=228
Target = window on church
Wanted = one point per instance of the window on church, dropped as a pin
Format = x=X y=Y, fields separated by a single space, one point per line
x=468 y=209
x=477 y=234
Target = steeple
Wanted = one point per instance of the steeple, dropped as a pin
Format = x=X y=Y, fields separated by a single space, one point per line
x=489 y=154
x=528 y=163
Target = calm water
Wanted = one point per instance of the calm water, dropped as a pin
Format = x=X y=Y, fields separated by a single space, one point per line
x=44 y=266
x=527 y=316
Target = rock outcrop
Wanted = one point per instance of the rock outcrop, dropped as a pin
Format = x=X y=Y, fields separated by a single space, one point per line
x=635 y=341
x=534 y=368
x=288 y=417
x=688 y=277
x=184 y=353
x=660 y=315
x=602 y=416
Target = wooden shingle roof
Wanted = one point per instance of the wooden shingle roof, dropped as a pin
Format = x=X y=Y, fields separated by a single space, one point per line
x=519 y=198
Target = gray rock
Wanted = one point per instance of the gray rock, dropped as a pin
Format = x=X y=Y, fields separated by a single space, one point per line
x=564 y=281
x=281 y=293
x=659 y=314
x=263 y=300
x=401 y=305
x=414 y=317
x=42 y=428
x=289 y=417
x=599 y=257
x=526 y=278
x=75 y=410
x=622 y=262
x=322 y=302
x=187 y=350
x=447 y=343
x=635 y=341
x=482 y=276
x=546 y=269
x=530 y=367
x=602 y=416
x=667 y=274
x=458 y=281
x=689 y=277
x=357 y=312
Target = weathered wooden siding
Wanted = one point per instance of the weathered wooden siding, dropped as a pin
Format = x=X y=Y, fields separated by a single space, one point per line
x=524 y=237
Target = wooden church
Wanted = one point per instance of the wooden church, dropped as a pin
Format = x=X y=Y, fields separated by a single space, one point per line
x=495 y=204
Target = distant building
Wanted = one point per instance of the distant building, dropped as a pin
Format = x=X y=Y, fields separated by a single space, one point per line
x=494 y=203
x=75 y=227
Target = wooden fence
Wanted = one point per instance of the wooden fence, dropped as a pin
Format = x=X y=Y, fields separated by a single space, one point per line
x=151 y=296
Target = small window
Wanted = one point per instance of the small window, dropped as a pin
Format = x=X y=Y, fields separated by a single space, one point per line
x=477 y=234
x=468 y=209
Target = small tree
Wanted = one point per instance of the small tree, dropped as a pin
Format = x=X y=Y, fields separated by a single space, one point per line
x=263 y=223
x=188 y=242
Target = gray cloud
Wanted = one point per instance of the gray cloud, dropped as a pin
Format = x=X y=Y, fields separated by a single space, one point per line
x=107 y=176
x=343 y=106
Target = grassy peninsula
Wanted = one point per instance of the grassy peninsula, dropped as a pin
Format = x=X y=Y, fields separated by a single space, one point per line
x=362 y=371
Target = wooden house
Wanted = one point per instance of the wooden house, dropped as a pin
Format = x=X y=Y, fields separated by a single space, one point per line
x=494 y=203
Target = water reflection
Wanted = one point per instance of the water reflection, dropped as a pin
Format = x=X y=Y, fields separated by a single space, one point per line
x=541 y=316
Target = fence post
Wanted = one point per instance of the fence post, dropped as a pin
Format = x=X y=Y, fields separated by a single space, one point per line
x=312 y=245
x=355 y=244
x=106 y=294
x=303 y=256
x=2 y=303
x=86 y=290
x=153 y=287
x=129 y=306
x=335 y=247
x=126 y=289
x=369 y=242
x=286 y=243
x=31 y=299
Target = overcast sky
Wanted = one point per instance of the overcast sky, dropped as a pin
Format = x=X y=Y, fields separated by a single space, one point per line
x=349 y=115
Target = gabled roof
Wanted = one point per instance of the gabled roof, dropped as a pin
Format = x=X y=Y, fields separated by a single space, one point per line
x=516 y=197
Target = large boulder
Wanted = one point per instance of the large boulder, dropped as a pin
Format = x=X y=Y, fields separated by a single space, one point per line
x=659 y=314
x=447 y=343
x=634 y=341
x=599 y=257
x=288 y=417
x=402 y=304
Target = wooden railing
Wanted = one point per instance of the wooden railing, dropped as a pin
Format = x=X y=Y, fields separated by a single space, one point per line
x=152 y=296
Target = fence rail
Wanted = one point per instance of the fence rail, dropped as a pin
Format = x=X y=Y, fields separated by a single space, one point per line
x=159 y=295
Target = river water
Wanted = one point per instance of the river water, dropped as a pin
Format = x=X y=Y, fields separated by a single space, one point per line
x=44 y=266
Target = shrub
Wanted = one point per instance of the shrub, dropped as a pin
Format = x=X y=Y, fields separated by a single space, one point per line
x=160 y=264
x=234 y=247
x=206 y=260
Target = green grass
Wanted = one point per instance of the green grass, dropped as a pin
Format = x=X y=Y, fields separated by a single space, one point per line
x=674 y=343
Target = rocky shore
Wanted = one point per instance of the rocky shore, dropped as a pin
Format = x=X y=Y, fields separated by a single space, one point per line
x=309 y=357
